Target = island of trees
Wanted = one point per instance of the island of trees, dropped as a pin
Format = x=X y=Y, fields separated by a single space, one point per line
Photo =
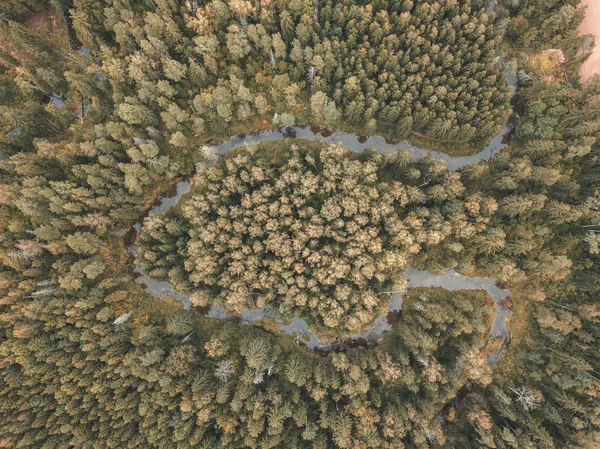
x=309 y=229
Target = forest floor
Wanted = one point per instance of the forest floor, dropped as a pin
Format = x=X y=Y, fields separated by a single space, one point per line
x=591 y=25
x=40 y=22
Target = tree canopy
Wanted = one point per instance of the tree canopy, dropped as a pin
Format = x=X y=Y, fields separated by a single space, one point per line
x=90 y=136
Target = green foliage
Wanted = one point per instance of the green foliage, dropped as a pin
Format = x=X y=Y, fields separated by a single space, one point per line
x=88 y=360
x=327 y=61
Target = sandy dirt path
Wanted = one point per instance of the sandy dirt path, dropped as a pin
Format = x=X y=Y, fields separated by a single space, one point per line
x=591 y=25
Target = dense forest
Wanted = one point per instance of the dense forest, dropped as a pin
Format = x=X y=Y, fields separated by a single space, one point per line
x=105 y=104
x=425 y=66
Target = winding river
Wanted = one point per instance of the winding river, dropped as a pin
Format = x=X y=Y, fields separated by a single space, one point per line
x=450 y=280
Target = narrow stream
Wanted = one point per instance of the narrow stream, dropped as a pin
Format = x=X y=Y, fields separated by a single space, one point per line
x=450 y=280
x=413 y=277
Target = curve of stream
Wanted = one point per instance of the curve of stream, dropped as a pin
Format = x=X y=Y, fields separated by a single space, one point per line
x=450 y=280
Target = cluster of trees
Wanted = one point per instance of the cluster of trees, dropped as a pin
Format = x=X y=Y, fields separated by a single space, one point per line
x=318 y=232
x=420 y=65
x=36 y=76
x=88 y=360
x=549 y=215
x=140 y=385
x=203 y=68
x=536 y=24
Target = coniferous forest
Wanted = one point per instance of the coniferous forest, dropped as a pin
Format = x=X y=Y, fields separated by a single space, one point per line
x=106 y=106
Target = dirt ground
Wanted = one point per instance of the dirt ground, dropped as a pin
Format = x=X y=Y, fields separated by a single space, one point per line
x=591 y=25
x=41 y=21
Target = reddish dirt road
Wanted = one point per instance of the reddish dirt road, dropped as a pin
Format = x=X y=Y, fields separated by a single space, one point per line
x=591 y=25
